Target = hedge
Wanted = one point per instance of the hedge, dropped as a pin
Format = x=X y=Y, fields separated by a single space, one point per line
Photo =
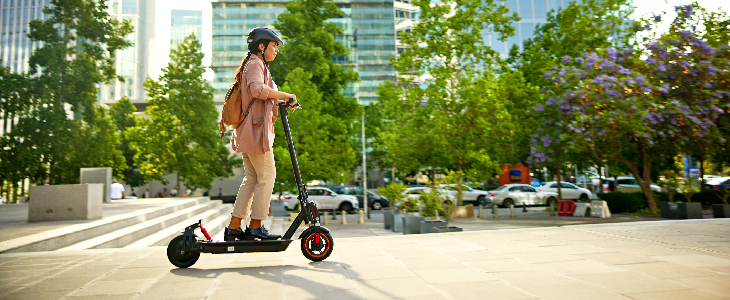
x=623 y=202
x=708 y=197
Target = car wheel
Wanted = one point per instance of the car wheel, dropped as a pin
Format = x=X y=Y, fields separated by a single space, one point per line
x=552 y=200
x=482 y=201
x=346 y=206
x=507 y=202
x=583 y=197
x=376 y=205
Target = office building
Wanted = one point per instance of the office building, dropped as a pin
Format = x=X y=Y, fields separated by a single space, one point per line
x=15 y=46
x=369 y=33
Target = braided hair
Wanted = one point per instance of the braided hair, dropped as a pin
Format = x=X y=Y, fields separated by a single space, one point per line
x=253 y=49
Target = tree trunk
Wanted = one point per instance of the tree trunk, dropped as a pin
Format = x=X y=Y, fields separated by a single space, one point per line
x=177 y=185
x=459 y=187
x=560 y=190
x=600 y=180
x=702 y=173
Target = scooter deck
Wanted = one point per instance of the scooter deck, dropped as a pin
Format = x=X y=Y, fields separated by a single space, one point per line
x=244 y=246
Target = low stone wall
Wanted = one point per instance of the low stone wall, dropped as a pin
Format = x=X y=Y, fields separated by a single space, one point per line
x=65 y=202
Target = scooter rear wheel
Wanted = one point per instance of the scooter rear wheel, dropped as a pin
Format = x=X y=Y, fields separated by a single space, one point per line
x=317 y=247
x=178 y=256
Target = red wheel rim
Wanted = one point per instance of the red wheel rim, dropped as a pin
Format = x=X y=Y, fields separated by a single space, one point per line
x=310 y=241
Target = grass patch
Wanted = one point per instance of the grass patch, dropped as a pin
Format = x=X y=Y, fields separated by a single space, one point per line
x=646 y=212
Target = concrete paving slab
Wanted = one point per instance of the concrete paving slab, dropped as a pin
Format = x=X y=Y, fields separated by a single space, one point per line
x=676 y=295
x=717 y=284
x=381 y=268
x=572 y=292
x=629 y=282
x=479 y=290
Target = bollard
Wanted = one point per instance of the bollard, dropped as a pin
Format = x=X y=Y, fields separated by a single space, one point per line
x=437 y=215
x=334 y=215
x=524 y=207
x=344 y=217
x=495 y=212
x=512 y=211
x=420 y=211
x=326 y=221
x=362 y=217
x=552 y=209
x=480 y=212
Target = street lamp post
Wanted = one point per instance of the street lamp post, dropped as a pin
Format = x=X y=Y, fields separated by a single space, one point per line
x=364 y=156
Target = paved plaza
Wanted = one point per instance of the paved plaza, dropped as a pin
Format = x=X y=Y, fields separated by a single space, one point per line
x=642 y=260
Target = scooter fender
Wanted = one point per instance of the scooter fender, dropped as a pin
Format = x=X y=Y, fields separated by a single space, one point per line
x=312 y=228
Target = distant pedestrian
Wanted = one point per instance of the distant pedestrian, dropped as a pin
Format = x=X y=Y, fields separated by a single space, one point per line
x=220 y=193
x=117 y=190
x=164 y=192
x=187 y=192
x=173 y=192
x=146 y=194
x=133 y=193
x=206 y=194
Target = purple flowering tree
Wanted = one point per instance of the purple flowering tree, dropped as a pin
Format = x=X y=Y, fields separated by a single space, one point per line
x=631 y=105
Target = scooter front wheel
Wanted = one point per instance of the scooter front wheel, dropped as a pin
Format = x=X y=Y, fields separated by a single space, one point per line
x=178 y=256
x=317 y=247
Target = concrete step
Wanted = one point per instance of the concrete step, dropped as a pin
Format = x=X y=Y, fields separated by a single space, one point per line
x=128 y=235
x=211 y=218
x=62 y=237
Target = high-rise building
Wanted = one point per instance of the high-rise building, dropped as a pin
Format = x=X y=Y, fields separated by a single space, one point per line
x=15 y=46
x=532 y=12
x=184 y=23
x=369 y=33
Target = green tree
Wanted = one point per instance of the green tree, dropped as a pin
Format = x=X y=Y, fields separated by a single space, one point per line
x=180 y=130
x=122 y=113
x=457 y=119
x=323 y=130
x=79 y=40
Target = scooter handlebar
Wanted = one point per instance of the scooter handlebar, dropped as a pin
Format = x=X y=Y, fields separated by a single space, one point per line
x=288 y=104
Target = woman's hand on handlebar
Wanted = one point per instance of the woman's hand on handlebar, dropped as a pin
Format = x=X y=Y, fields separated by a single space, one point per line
x=291 y=105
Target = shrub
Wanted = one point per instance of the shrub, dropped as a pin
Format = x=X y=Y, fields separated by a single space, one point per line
x=708 y=198
x=395 y=192
x=664 y=197
x=623 y=202
x=432 y=202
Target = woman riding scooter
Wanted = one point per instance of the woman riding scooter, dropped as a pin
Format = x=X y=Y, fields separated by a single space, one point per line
x=254 y=138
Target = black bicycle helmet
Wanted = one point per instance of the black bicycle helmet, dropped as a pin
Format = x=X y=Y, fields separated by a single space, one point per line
x=263 y=33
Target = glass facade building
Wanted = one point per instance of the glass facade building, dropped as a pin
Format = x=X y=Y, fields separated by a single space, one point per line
x=15 y=46
x=183 y=23
x=369 y=33
x=533 y=13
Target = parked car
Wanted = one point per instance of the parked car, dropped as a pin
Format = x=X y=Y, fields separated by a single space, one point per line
x=469 y=195
x=569 y=190
x=280 y=196
x=719 y=183
x=325 y=199
x=375 y=201
x=517 y=194
x=415 y=193
x=626 y=184
x=536 y=182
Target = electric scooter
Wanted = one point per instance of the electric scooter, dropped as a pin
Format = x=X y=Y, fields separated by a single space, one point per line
x=317 y=244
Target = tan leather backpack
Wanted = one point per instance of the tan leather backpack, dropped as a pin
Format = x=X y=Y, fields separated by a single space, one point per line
x=232 y=115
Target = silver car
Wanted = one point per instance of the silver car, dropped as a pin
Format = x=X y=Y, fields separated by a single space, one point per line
x=519 y=194
x=325 y=199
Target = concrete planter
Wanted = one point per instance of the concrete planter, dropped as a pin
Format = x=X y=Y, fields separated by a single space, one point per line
x=689 y=210
x=387 y=219
x=397 y=223
x=445 y=229
x=427 y=226
x=721 y=210
x=412 y=224
x=668 y=210
x=65 y=202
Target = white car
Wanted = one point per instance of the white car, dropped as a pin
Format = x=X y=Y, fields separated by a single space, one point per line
x=276 y=196
x=469 y=195
x=325 y=199
x=627 y=184
x=519 y=194
x=569 y=190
